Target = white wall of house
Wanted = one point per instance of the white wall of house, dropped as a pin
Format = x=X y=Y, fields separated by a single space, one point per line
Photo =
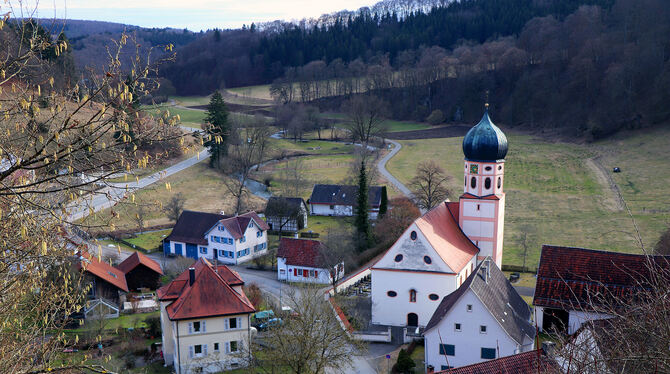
x=575 y=318
x=338 y=210
x=469 y=341
x=393 y=311
x=287 y=273
x=168 y=347
x=235 y=253
x=197 y=350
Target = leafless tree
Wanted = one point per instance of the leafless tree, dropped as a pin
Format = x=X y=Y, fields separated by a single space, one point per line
x=293 y=177
x=429 y=185
x=92 y=128
x=365 y=118
x=337 y=251
x=241 y=159
x=141 y=213
x=175 y=206
x=311 y=340
x=635 y=338
x=282 y=212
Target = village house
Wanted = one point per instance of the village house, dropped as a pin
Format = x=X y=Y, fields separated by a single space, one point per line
x=141 y=272
x=227 y=239
x=570 y=282
x=440 y=250
x=108 y=287
x=205 y=320
x=298 y=260
x=286 y=214
x=535 y=361
x=341 y=200
x=484 y=319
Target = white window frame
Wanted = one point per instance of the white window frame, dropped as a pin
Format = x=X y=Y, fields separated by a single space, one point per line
x=469 y=308
x=458 y=327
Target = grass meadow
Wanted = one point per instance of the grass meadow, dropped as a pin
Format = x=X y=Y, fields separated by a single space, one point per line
x=556 y=198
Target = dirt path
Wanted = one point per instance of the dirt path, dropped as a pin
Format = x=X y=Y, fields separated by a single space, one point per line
x=611 y=200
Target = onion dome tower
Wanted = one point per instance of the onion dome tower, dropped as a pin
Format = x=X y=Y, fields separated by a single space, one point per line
x=482 y=205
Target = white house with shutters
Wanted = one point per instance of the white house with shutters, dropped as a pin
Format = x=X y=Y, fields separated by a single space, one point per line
x=205 y=320
x=484 y=319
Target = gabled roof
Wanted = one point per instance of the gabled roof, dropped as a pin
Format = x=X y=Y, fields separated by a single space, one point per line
x=136 y=259
x=191 y=227
x=571 y=277
x=336 y=194
x=103 y=270
x=286 y=206
x=521 y=363
x=440 y=227
x=300 y=252
x=502 y=301
x=237 y=225
x=209 y=295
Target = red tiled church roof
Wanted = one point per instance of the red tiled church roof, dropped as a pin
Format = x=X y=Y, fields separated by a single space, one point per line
x=521 y=363
x=209 y=295
x=572 y=277
x=136 y=259
x=440 y=227
x=103 y=271
x=300 y=252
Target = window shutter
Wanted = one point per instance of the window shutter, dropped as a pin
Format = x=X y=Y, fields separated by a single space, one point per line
x=239 y=322
x=226 y=324
x=204 y=326
x=190 y=351
x=205 y=350
x=227 y=347
x=190 y=327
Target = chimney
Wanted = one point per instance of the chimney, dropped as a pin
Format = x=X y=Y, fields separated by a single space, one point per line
x=191 y=276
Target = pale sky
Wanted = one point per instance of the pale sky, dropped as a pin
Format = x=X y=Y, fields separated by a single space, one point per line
x=195 y=15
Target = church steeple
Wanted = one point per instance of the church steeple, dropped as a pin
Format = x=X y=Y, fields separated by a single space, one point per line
x=482 y=205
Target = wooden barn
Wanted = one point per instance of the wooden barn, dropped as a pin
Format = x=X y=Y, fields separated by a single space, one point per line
x=141 y=272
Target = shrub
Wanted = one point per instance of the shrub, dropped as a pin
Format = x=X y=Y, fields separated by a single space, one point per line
x=153 y=325
x=436 y=117
x=405 y=364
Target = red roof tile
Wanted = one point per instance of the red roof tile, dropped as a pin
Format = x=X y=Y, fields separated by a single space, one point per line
x=571 y=277
x=209 y=296
x=103 y=271
x=440 y=227
x=300 y=252
x=136 y=259
x=521 y=363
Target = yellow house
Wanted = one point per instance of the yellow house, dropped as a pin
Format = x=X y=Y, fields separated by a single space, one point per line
x=205 y=320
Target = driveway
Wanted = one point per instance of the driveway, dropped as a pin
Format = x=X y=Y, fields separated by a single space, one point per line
x=381 y=165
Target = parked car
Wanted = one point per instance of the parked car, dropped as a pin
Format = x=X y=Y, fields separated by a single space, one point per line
x=261 y=317
x=271 y=323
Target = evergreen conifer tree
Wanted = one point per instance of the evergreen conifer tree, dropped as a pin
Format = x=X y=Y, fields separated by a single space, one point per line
x=218 y=128
x=362 y=221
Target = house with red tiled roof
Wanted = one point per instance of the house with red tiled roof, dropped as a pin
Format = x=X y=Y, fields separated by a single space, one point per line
x=535 y=361
x=141 y=271
x=205 y=320
x=439 y=250
x=573 y=282
x=108 y=287
x=300 y=260
x=228 y=239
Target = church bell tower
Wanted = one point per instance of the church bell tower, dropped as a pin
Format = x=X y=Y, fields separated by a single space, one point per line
x=482 y=205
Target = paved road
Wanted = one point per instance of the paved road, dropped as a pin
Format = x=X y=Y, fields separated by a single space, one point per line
x=382 y=169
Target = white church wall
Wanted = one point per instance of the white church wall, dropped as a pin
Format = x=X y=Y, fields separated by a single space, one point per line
x=393 y=311
x=484 y=229
x=486 y=210
x=413 y=253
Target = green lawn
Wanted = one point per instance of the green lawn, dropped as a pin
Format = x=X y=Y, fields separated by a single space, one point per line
x=149 y=240
x=395 y=126
x=259 y=92
x=556 y=198
x=191 y=100
x=188 y=117
x=316 y=147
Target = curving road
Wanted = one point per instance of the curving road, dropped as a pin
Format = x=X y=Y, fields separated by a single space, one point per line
x=381 y=165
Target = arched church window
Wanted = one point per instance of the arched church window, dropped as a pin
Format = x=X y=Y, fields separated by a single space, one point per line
x=499 y=182
x=398 y=258
x=392 y=294
x=412 y=235
x=412 y=296
x=487 y=183
x=473 y=182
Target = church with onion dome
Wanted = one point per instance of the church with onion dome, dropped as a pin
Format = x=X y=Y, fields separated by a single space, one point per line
x=439 y=251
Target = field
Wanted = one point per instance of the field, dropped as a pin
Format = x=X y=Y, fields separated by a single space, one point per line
x=259 y=92
x=202 y=187
x=557 y=194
